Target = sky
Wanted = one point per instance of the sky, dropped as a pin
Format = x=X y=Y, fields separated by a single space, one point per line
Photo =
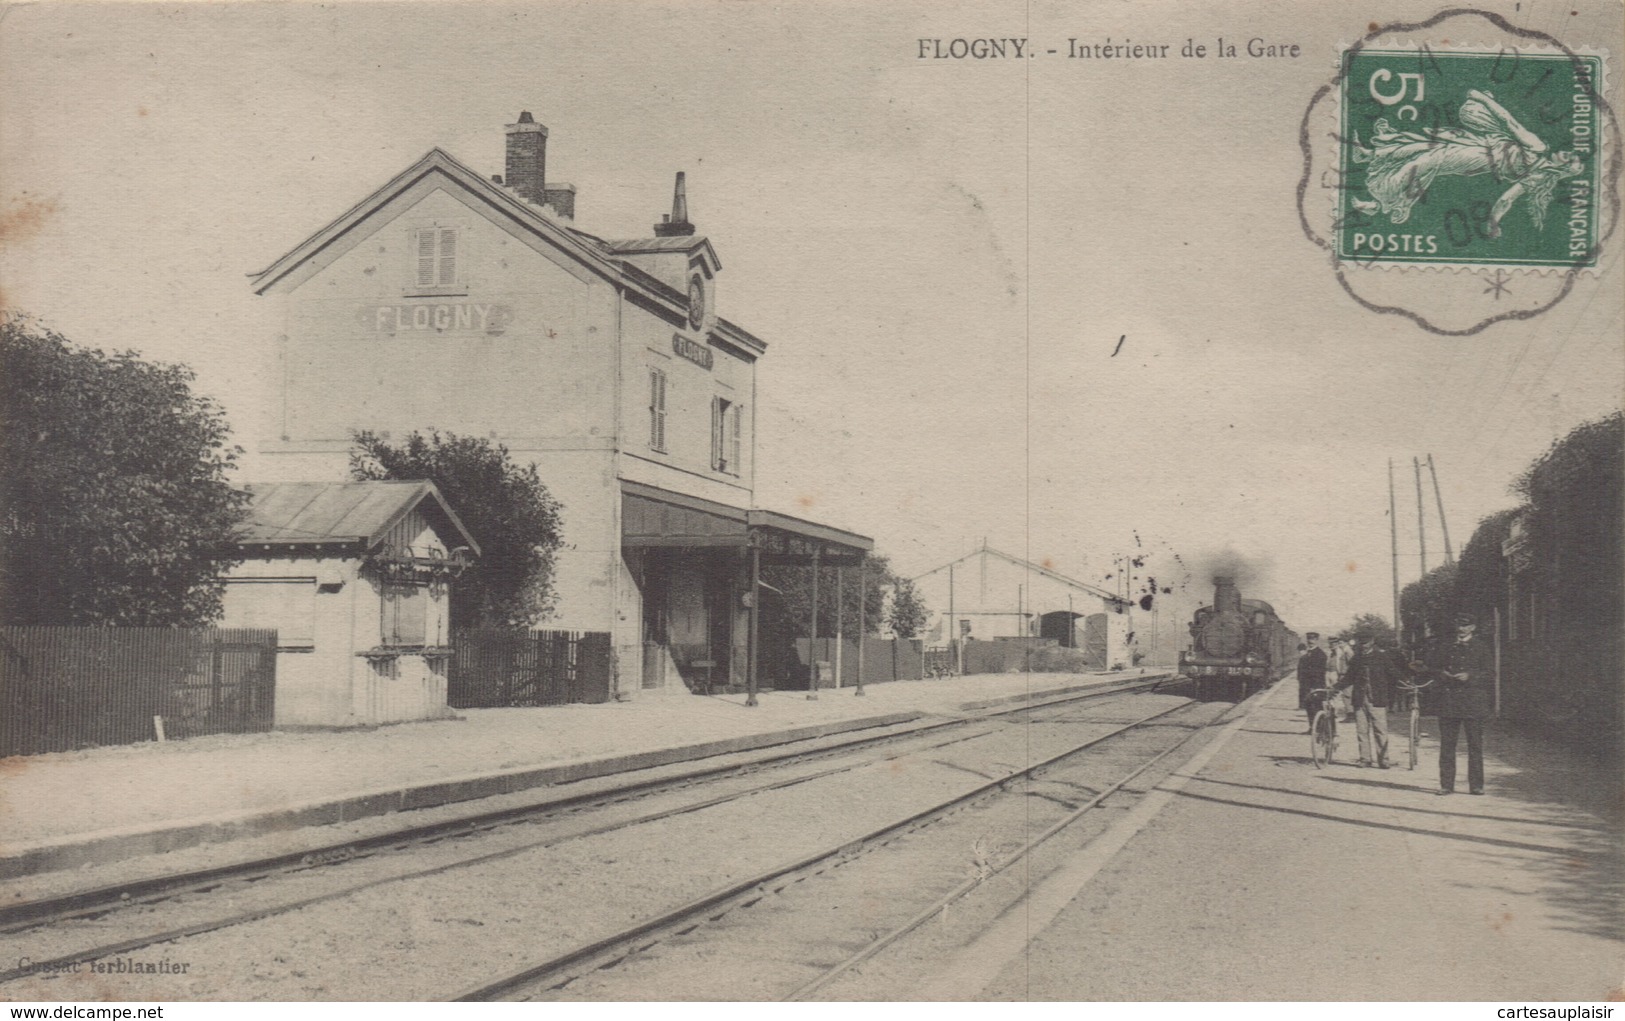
x=1061 y=306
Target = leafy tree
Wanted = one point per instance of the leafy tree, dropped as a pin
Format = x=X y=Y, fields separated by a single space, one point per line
x=505 y=507
x=908 y=612
x=1573 y=564
x=1575 y=506
x=1427 y=607
x=114 y=505
x=1368 y=625
x=1481 y=578
x=795 y=582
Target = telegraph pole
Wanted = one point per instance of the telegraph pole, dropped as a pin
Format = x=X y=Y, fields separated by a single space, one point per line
x=1444 y=527
x=1393 y=536
x=1421 y=526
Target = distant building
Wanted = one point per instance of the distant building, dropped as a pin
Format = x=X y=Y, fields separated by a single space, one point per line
x=988 y=595
x=355 y=578
x=450 y=300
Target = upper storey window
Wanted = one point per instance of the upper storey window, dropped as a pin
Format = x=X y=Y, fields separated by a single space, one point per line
x=437 y=259
x=727 y=435
x=657 y=410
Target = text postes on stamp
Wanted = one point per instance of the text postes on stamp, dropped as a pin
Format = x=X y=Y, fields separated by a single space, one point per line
x=1469 y=158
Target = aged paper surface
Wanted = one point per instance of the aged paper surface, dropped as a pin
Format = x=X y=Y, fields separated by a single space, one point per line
x=1082 y=282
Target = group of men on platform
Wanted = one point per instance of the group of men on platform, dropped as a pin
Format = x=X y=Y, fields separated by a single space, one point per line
x=1461 y=673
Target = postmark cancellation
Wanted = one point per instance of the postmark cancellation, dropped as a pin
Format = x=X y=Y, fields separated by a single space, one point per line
x=1463 y=171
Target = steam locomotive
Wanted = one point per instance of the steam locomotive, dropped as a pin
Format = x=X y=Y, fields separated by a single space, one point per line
x=1237 y=645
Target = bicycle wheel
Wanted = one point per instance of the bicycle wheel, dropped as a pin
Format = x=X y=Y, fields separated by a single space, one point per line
x=1416 y=733
x=1322 y=739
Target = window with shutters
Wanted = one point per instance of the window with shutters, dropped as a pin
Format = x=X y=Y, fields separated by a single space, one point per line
x=736 y=435
x=721 y=424
x=436 y=260
x=657 y=410
x=286 y=604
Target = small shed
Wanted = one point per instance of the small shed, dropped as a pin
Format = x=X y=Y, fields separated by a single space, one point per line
x=355 y=577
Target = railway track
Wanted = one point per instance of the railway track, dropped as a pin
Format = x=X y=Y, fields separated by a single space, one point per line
x=598 y=959
x=189 y=890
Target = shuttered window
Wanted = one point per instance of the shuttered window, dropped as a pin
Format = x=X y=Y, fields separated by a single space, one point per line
x=719 y=434
x=736 y=440
x=286 y=604
x=436 y=256
x=657 y=409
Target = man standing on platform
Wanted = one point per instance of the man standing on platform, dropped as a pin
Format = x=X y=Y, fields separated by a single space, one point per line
x=1465 y=670
x=1371 y=674
x=1311 y=674
x=1337 y=664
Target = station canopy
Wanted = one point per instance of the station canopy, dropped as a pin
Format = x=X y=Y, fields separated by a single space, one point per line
x=654 y=518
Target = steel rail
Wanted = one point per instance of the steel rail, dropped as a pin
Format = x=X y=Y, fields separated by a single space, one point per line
x=19 y=916
x=610 y=949
x=971 y=884
x=256 y=914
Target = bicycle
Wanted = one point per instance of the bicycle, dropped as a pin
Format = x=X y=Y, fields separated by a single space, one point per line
x=1323 y=731
x=1412 y=691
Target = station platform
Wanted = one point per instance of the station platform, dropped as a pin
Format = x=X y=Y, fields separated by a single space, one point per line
x=1249 y=874
x=97 y=807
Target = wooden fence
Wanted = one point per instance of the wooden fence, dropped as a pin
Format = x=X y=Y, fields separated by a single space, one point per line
x=884 y=659
x=72 y=687
x=495 y=668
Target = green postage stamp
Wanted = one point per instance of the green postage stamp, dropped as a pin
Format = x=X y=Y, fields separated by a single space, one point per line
x=1478 y=158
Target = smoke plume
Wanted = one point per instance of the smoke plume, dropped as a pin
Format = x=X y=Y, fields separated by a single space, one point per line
x=1251 y=573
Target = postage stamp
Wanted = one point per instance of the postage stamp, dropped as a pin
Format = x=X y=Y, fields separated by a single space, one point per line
x=1469 y=157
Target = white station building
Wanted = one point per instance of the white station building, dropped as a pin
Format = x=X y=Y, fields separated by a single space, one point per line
x=451 y=300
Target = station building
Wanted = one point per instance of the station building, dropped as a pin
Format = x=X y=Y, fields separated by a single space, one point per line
x=472 y=304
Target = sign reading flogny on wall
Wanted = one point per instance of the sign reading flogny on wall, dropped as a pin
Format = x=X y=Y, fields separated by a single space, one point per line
x=462 y=317
x=694 y=351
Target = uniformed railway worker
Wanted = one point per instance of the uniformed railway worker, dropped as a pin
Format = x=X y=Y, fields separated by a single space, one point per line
x=1311 y=674
x=1465 y=671
x=1372 y=674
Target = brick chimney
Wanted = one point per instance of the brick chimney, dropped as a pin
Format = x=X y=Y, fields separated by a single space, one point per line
x=527 y=159
x=676 y=225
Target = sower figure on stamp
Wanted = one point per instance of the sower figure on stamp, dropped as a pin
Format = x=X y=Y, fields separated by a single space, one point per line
x=1311 y=674
x=1404 y=164
x=1465 y=670
x=1371 y=675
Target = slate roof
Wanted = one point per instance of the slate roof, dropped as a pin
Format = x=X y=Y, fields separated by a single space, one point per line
x=311 y=513
x=437 y=161
x=594 y=253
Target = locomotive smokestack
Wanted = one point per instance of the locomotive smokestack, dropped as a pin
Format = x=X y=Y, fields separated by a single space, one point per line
x=1225 y=594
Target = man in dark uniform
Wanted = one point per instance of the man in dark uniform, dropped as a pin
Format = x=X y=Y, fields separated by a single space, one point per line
x=1465 y=670
x=1311 y=674
x=1372 y=674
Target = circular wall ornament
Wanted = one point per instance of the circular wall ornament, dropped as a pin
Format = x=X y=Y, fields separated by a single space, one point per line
x=696 y=301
